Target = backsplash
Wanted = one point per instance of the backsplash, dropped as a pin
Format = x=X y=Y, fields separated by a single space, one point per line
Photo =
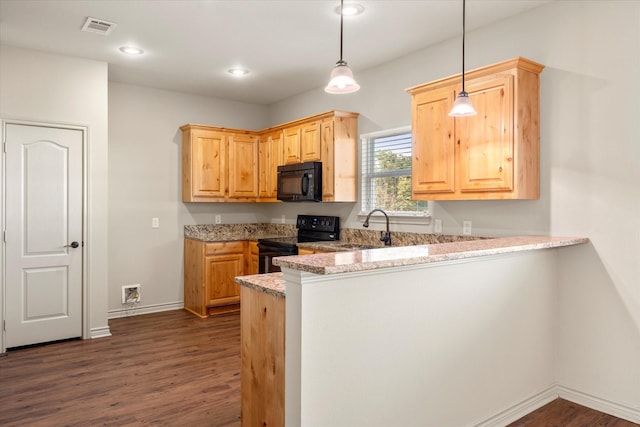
x=222 y=232
x=372 y=237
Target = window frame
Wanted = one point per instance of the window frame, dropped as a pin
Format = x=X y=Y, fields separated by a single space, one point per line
x=366 y=176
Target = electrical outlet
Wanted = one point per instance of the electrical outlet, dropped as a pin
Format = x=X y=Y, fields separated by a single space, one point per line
x=466 y=228
x=155 y=222
x=282 y=219
x=131 y=294
x=218 y=219
x=437 y=226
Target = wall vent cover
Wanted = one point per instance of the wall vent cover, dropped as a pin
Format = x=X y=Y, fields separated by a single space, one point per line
x=98 y=26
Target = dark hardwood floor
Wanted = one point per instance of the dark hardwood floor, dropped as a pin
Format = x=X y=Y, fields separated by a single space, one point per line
x=163 y=369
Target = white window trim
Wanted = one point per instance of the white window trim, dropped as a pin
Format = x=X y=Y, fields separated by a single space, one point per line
x=420 y=218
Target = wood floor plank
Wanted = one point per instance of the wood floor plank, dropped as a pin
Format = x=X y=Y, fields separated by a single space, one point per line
x=164 y=369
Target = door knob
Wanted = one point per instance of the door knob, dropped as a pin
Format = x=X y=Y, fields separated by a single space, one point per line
x=73 y=244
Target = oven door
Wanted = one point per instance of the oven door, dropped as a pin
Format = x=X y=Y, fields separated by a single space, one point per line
x=266 y=254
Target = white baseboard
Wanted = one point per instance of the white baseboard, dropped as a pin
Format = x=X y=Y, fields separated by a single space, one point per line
x=101 y=332
x=520 y=409
x=603 y=405
x=540 y=399
x=146 y=309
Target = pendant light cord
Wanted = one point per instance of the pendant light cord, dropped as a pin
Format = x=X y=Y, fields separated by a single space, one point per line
x=463 y=34
x=341 y=18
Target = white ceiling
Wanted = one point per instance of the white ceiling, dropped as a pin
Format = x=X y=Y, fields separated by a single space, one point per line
x=290 y=46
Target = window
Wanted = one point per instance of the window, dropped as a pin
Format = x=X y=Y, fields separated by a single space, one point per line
x=386 y=174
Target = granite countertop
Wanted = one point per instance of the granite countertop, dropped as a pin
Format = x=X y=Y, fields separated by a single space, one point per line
x=270 y=283
x=371 y=259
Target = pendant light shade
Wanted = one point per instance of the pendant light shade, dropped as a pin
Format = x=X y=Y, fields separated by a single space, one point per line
x=462 y=106
x=341 y=80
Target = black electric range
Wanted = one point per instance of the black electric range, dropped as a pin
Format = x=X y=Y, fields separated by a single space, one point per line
x=311 y=228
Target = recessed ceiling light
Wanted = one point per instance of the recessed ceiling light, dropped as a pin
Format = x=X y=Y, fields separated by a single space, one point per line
x=350 y=9
x=238 y=71
x=130 y=50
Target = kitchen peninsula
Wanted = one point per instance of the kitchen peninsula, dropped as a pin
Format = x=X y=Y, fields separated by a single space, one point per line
x=446 y=334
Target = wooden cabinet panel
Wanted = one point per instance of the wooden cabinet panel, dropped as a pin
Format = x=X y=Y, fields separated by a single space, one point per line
x=251 y=256
x=310 y=142
x=203 y=165
x=433 y=161
x=269 y=157
x=339 y=156
x=291 y=145
x=209 y=276
x=221 y=271
x=243 y=166
x=262 y=323
x=486 y=140
x=493 y=155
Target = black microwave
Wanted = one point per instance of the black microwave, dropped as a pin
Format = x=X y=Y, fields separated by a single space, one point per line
x=300 y=182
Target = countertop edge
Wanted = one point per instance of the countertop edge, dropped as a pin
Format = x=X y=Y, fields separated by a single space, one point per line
x=371 y=259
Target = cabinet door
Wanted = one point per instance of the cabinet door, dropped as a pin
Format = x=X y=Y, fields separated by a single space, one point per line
x=291 y=145
x=270 y=157
x=486 y=140
x=243 y=166
x=208 y=165
x=220 y=273
x=433 y=161
x=310 y=142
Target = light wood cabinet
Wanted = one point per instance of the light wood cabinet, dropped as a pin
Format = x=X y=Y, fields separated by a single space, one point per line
x=218 y=164
x=493 y=155
x=262 y=335
x=291 y=145
x=209 y=276
x=243 y=166
x=235 y=165
x=270 y=157
x=310 y=142
x=251 y=257
x=204 y=154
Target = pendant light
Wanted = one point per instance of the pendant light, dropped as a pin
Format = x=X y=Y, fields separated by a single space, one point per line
x=462 y=106
x=341 y=80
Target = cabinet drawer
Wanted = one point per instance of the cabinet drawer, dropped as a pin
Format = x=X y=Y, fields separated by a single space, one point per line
x=223 y=247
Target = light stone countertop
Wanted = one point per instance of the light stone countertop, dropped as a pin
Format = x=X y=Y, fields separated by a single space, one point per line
x=371 y=259
x=270 y=283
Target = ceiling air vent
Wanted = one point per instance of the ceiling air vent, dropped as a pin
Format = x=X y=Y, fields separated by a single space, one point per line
x=98 y=26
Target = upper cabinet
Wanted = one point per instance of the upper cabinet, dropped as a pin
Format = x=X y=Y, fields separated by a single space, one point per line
x=269 y=157
x=493 y=155
x=234 y=165
x=218 y=164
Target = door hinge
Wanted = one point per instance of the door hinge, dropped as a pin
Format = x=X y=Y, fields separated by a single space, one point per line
x=4 y=236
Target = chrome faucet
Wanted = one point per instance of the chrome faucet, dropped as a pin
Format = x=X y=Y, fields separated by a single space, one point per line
x=384 y=236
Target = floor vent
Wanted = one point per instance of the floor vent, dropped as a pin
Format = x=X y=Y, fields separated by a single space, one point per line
x=98 y=26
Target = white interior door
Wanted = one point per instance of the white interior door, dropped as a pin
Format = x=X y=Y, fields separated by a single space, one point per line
x=43 y=248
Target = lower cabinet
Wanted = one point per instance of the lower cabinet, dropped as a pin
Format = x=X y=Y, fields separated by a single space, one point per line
x=252 y=257
x=262 y=326
x=209 y=276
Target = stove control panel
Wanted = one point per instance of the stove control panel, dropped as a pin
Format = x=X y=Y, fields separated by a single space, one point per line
x=330 y=224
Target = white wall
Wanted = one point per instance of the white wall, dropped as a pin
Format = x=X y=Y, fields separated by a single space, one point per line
x=590 y=151
x=144 y=182
x=48 y=88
